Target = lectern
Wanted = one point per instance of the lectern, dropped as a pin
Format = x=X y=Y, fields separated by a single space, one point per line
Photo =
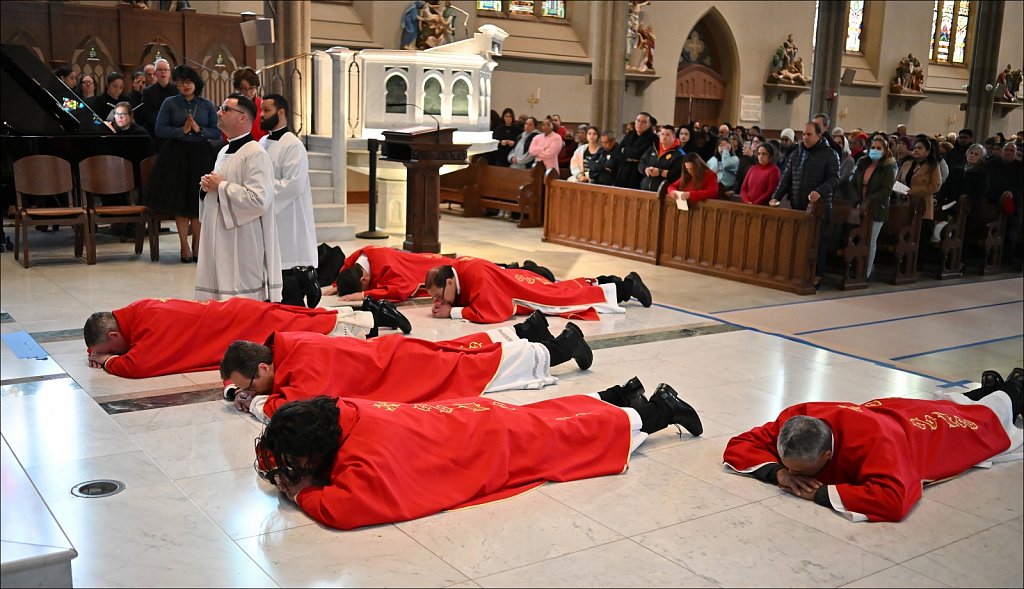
x=423 y=150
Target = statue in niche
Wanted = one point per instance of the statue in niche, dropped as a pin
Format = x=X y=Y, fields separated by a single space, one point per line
x=411 y=20
x=1010 y=81
x=633 y=28
x=909 y=78
x=434 y=29
x=451 y=18
x=787 y=67
x=643 y=61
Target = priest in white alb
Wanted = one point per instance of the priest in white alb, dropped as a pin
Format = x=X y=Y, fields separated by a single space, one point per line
x=240 y=255
x=293 y=203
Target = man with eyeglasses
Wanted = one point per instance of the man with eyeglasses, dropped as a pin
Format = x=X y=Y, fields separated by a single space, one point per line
x=241 y=256
x=153 y=97
x=294 y=366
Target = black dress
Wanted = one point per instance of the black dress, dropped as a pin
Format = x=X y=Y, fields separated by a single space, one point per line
x=174 y=185
x=499 y=157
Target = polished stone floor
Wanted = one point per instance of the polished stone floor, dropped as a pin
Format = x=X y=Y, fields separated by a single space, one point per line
x=194 y=512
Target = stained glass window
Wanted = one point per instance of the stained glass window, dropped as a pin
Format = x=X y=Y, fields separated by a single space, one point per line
x=950 y=21
x=460 y=98
x=521 y=7
x=494 y=5
x=553 y=8
x=854 y=25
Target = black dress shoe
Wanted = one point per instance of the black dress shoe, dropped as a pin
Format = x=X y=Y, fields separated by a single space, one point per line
x=308 y=285
x=991 y=380
x=581 y=351
x=1016 y=376
x=633 y=393
x=640 y=290
x=682 y=413
x=534 y=328
x=385 y=314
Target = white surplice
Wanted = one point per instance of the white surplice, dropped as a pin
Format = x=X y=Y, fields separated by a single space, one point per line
x=293 y=200
x=238 y=246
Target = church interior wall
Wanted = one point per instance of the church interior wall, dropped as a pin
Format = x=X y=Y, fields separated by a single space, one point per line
x=563 y=88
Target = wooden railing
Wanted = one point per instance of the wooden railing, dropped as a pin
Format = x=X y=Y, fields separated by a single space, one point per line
x=769 y=247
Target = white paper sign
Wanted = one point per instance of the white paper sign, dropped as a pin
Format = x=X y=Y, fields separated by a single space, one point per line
x=750 y=108
x=681 y=205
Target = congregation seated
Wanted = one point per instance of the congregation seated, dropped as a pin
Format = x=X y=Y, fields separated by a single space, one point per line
x=520 y=156
x=506 y=133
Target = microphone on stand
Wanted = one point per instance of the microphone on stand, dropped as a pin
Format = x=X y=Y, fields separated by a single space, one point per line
x=436 y=120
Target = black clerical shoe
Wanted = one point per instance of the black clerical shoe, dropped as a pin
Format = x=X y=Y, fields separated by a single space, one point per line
x=682 y=413
x=385 y=314
x=308 y=285
x=581 y=351
x=640 y=290
x=991 y=380
x=633 y=393
x=1016 y=376
x=534 y=328
x=539 y=270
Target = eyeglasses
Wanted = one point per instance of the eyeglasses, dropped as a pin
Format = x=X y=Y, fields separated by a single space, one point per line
x=250 y=388
x=122 y=114
x=226 y=108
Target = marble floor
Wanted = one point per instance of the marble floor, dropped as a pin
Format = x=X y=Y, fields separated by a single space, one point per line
x=194 y=513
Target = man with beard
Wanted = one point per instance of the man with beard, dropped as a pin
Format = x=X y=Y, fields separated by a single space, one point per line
x=293 y=204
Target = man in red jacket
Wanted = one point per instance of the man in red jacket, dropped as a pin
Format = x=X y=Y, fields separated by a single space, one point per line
x=296 y=366
x=870 y=461
x=350 y=463
x=475 y=290
x=153 y=337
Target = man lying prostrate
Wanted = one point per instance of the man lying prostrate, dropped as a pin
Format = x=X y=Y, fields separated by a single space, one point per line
x=153 y=337
x=350 y=463
x=477 y=291
x=395 y=275
x=296 y=366
x=869 y=461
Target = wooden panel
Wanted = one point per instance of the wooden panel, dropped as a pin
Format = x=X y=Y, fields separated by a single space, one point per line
x=697 y=81
x=27 y=23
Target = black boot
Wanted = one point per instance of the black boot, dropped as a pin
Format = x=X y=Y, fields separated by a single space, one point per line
x=630 y=394
x=666 y=408
x=990 y=382
x=639 y=290
x=534 y=328
x=539 y=270
x=310 y=286
x=570 y=345
x=385 y=314
x=1016 y=395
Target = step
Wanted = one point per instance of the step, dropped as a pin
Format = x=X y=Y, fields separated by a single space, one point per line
x=334 y=232
x=323 y=195
x=319 y=161
x=328 y=213
x=319 y=179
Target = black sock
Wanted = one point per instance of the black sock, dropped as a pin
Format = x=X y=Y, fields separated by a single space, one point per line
x=652 y=418
x=521 y=331
x=560 y=352
x=978 y=394
x=613 y=395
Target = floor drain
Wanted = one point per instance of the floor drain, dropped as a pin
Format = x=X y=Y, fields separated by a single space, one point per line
x=99 y=488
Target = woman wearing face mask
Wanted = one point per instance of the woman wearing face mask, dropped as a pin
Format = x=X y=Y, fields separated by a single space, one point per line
x=872 y=180
x=587 y=152
x=921 y=174
x=725 y=164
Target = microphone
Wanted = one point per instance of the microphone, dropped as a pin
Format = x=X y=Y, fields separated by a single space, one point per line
x=436 y=120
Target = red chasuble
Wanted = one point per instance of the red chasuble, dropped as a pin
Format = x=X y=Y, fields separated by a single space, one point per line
x=883 y=450
x=396 y=275
x=390 y=367
x=400 y=462
x=170 y=336
x=491 y=294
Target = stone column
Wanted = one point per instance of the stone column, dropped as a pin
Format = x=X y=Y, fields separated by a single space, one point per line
x=339 y=130
x=828 y=59
x=608 y=72
x=988 y=17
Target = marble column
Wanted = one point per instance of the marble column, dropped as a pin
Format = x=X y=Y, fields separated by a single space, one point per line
x=988 y=17
x=340 y=57
x=292 y=22
x=608 y=71
x=828 y=59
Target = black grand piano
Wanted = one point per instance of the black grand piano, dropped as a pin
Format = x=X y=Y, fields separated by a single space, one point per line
x=39 y=115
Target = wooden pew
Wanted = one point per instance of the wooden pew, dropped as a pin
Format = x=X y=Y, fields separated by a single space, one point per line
x=855 y=243
x=760 y=245
x=951 y=244
x=481 y=186
x=901 y=235
x=986 y=231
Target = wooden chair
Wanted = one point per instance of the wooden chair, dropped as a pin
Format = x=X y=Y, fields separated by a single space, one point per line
x=145 y=173
x=43 y=176
x=109 y=175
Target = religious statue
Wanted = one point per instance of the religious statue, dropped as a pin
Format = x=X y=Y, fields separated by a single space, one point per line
x=433 y=28
x=647 y=47
x=411 y=24
x=909 y=78
x=1013 y=82
x=786 y=67
x=451 y=19
x=633 y=28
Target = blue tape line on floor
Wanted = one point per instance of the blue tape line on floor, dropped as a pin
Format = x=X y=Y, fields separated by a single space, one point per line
x=905 y=317
x=23 y=346
x=970 y=345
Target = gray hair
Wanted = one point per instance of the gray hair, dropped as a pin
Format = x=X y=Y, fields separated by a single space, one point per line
x=804 y=438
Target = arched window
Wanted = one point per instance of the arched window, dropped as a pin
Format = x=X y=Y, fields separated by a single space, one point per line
x=854 y=25
x=950 y=27
x=460 y=98
x=397 y=94
x=543 y=9
x=432 y=96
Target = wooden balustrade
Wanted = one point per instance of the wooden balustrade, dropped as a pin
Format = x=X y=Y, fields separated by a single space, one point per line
x=769 y=247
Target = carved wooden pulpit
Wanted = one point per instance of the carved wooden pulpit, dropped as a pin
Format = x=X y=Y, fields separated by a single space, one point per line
x=423 y=150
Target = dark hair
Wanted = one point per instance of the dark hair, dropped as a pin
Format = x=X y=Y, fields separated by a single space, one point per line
x=244 y=358
x=534 y=119
x=828 y=119
x=245 y=104
x=279 y=102
x=967 y=132
x=439 y=275
x=350 y=280
x=817 y=127
x=699 y=169
x=650 y=117
x=97 y=326
x=508 y=111
x=304 y=429
x=933 y=149
x=769 y=148
x=63 y=71
x=752 y=127
x=114 y=76
x=184 y=72
x=589 y=127
x=245 y=74
x=670 y=128
x=138 y=74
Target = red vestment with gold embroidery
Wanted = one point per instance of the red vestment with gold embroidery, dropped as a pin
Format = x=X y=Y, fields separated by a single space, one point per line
x=395 y=275
x=399 y=462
